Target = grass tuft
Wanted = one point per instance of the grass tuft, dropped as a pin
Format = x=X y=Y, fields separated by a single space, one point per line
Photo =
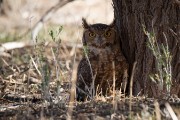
x=161 y=52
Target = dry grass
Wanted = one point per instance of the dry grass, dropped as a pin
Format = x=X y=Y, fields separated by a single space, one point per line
x=24 y=85
x=39 y=83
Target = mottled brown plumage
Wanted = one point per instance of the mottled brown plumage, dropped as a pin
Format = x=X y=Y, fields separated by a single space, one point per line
x=95 y=71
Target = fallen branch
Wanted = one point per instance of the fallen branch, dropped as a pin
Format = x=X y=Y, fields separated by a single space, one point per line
x=12 y=45
x=46 y=17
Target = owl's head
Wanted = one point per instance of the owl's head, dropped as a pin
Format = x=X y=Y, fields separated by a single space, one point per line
x=98 y=35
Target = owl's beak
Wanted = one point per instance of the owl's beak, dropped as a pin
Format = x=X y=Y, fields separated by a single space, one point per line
x=99 y=41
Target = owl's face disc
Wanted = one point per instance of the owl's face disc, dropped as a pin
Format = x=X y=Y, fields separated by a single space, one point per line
x=99 y=35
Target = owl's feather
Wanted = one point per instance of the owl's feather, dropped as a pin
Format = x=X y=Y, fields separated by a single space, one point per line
x=95 y=71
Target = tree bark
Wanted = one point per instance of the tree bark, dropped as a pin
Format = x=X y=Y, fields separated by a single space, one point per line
x=162 y=16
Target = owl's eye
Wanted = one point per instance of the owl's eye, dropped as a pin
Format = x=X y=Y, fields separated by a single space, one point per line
x=91 y=34
x=108 y=34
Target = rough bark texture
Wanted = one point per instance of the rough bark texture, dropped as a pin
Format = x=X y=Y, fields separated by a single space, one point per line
x=164 y=17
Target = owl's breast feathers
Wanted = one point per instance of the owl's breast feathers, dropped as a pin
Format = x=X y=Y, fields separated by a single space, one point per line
x=105 y=55
x=102 y=58
x=97 y=66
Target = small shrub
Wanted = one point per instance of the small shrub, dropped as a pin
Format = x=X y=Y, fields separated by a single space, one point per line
x=163 y=61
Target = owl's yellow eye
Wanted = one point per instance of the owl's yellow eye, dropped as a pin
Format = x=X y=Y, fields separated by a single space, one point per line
x=91 y=34
x=107 y=34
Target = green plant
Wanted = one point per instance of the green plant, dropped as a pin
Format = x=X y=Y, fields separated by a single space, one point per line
x=42 y=64
x=163 y=61
x=46 y=76
x=85 y=50
x=55 y=36
x=92 y=88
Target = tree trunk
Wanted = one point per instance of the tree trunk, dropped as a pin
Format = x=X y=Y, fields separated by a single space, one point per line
x=160 y=16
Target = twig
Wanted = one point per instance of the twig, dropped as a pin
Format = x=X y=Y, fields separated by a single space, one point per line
x=157 y=110
x=72 y=93
x=114 y=84
x=131 y=84
x=36 y=66
x=171 y=112
x=73 y=87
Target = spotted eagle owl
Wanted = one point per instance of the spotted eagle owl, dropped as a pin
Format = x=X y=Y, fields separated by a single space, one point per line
x=95 y=70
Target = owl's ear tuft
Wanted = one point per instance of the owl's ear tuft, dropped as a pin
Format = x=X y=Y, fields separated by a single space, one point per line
x=113 y=24
x=84 y=23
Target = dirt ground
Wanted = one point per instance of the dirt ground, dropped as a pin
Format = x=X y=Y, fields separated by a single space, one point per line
x=31 y=90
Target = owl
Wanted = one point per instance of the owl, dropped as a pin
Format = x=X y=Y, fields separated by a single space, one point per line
x=102 y=60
